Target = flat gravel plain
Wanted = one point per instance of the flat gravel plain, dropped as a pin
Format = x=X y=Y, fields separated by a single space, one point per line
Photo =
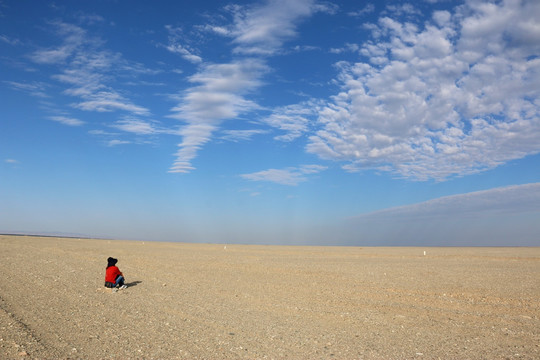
x=204 y=301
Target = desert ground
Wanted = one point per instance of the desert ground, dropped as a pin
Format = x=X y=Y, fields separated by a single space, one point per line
x=205 y=301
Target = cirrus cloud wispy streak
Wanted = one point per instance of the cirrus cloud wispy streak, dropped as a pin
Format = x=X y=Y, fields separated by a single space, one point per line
x=88 y=70
x=221 y=91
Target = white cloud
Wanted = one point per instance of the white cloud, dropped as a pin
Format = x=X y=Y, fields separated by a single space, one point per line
x=194 y=137
x=293 y=119
x=73 y=37
x=136 y=126
x=52 y=56
x=450 y=98
x=9 y=40
x=300 y=48
x=289 y=176
x=261 y=30
x=11 y=161
x=347 y=48
x=140 y=126
x=101 y=133
x=85 y=83
x=186 y=54
x=369 y=8
x=67 y=120
x=34 y=88
x=220 y=30
x=312 y=169
x=105 y=101
x=176 y=37
x=116 y=142
x=91 y=18
x=240 y=135
x=218 y=96
x=88 y=69
x=402 y=9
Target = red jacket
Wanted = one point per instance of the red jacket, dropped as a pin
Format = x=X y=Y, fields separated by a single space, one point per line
x=111 y=273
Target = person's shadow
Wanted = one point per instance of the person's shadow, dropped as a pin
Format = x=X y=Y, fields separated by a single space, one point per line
x=133 y=283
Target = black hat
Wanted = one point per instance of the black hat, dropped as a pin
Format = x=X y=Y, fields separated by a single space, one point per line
x=111 y=261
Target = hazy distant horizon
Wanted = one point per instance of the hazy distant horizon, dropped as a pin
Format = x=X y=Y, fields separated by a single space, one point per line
x=83 y=237
x=450 y=221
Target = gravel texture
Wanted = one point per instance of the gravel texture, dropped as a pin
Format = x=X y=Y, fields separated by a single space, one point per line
x=204 y=301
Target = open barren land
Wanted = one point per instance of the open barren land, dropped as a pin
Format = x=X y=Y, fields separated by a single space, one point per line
x=202 y=301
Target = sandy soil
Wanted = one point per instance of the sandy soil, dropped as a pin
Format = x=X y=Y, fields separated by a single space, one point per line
x=198 y=301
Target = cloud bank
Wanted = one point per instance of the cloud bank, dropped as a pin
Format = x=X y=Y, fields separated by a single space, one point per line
x=501 y=216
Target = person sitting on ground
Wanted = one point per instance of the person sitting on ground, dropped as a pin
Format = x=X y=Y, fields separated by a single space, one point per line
x=113 y=276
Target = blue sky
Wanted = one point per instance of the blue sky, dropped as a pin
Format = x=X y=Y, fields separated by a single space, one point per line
x=282 y=122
